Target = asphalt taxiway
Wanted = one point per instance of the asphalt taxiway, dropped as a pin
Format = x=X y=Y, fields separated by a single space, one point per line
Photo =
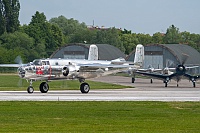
x=143 y=91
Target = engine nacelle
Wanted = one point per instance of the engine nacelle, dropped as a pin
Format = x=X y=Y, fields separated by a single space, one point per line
x=180 y=69
x=70 y=71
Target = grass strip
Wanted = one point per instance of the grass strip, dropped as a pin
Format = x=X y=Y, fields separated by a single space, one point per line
x=146 y=117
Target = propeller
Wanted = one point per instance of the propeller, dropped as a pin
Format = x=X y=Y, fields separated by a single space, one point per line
x=181 y=68
x=18 y=60
x=184 y=58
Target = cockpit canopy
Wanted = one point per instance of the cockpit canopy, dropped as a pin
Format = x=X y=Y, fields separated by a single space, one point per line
x=40 y=62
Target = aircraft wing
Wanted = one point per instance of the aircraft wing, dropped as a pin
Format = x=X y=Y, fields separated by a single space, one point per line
x=158 y=76
x=10 y=65
x=147 y=70
x=93 y=66
x=96 y=70
x=192 y=78
x=191 y=67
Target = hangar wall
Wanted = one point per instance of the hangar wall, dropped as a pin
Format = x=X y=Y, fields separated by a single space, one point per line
x=71 y=51
x=80 y=51
x=169 y=55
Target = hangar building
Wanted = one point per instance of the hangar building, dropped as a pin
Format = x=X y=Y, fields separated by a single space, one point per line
x=169 y=55
x=80 y=51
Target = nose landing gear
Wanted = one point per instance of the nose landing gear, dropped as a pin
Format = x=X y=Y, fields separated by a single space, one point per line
x=30 y=89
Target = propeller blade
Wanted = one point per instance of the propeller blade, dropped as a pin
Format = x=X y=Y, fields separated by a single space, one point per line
x=20 y=83
x=184 y=58
x=18 y=60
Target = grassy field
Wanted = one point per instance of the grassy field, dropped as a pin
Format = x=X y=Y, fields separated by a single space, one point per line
x=109 y=117
x=12 y=82
x=118 y=117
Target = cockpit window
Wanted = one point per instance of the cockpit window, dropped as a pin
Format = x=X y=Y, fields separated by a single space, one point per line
x=45 y=62
x=37 y=62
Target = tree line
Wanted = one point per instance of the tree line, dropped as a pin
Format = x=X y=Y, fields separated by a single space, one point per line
x=40 y=38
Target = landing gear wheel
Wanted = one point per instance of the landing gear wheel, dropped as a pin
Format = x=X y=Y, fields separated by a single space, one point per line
x=194 y=84
x=44 y=87
x=165 y=84
x=177 y=85
x=151 y=81
x=30 y=89
x=84 y=87
x=133 y=80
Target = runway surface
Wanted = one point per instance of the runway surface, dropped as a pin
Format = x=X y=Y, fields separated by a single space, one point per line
x=143 y=91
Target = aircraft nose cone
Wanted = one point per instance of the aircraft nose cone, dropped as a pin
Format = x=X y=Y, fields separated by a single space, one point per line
x=21 y=72
x=180 y=68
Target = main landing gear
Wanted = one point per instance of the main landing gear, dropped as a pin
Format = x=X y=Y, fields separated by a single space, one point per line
x=165 y=82
x=133 y=80
x=151 y=80
x=84 y=87
x=44 y=87
x=194 y=84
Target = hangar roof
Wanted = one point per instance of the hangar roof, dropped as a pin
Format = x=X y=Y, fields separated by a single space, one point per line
x=109 y=52
x=105 y=51
x=178 y=50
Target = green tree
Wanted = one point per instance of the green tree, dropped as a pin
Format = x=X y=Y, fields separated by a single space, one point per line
x=129 y=42
x=195 y=41
x=17 y=43
x=72 y=29
x=172 y=35
x=68 y=26
x=9 y=14
x=157 y=38
x=110 y=36
x=185 y=37
x=144 y=38
x=48 y=37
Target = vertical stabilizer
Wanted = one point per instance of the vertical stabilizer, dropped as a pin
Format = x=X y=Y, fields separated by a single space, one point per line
x=139 y=55
x=93 y=52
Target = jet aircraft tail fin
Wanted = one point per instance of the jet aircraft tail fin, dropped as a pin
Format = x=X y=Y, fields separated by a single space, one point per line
x=139 y=55
x=93 y=52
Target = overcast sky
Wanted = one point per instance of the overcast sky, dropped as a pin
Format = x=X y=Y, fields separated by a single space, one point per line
x=139 y=16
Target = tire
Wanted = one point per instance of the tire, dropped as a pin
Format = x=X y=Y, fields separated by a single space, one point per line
x=84 y=87
x=165 y=84
x=30 y=89
x=133 y=80
x=194 y=84
x=44 y=87
x=151 y=81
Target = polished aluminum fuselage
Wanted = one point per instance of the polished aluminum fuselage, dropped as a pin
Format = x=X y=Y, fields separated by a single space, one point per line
x=52 y=69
